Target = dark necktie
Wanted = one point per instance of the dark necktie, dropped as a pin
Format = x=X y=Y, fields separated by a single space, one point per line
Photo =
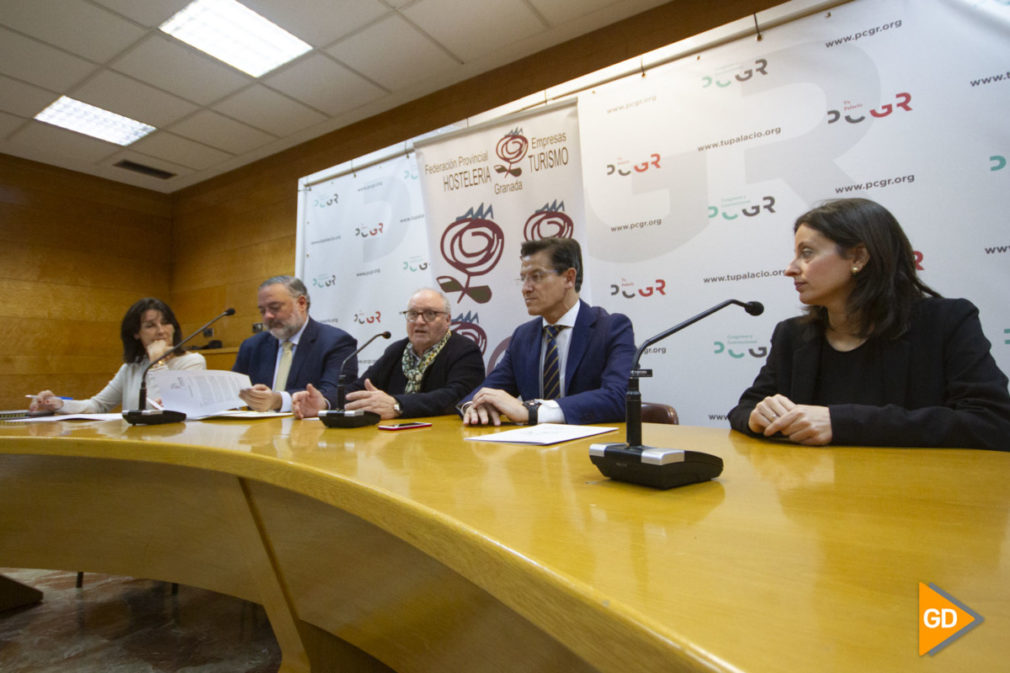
x=552 y=377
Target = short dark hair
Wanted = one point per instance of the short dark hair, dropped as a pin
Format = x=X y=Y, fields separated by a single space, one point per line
x=565 y=253
x=888 y=286
x=133 y=350
x=295 y=286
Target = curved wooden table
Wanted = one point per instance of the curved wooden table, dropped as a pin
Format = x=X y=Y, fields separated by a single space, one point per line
x=417 y=551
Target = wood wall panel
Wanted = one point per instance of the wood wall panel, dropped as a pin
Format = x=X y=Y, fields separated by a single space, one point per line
x=75 y=252
x=251 y=211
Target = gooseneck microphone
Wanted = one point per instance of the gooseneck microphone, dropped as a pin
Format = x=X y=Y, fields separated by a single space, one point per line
x=660 y=468
x=341 y=418
x=143 y=416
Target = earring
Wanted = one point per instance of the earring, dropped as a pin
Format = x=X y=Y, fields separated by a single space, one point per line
x=855 y=270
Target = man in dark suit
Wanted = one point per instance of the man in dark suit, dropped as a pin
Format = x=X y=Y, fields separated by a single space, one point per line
x=571 y=364
x=294 y=351
x=425 y=374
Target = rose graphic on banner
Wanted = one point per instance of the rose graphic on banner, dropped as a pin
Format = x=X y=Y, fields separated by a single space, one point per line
x=472 y=244
x=550 y=220
x=511 y=149
x=471 y=330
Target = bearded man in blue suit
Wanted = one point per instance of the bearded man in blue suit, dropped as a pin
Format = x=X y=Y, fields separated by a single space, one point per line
x=570 y=364
x=294 y=351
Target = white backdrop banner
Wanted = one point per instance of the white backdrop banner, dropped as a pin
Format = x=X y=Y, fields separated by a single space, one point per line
x=695 y=174
x=486 y=190
x=363 y=248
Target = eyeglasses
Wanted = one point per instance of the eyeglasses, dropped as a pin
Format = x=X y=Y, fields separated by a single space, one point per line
x=535 y=277
x=428 y=315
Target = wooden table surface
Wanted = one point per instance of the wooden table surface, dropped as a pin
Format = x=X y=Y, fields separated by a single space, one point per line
x=427 y=552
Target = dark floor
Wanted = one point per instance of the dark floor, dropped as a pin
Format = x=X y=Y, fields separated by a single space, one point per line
x=120 y=624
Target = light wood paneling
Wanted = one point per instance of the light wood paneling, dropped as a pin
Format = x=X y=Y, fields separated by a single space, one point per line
x=75 y=252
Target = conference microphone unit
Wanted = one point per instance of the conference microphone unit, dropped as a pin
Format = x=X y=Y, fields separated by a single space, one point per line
x=635 y=463
x=143 y=416
x=350 y=418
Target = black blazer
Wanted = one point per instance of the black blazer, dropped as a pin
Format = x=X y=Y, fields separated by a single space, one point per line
x=321 y=350
x=942 y=386
x=454 y=372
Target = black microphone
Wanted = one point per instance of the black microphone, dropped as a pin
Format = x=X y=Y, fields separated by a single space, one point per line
x=339 y=417
x=143 y=416
x=646 y=465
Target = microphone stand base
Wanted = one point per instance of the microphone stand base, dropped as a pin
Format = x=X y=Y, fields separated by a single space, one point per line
x=153 y=416
x=650 y=466
x=341 y=418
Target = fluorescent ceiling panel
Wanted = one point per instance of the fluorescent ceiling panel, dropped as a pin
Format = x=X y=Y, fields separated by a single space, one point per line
x=233 y=33
x=93 y=121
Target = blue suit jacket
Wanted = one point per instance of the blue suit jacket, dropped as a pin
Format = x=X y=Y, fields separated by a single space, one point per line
x=321 y=350
x=600 y=353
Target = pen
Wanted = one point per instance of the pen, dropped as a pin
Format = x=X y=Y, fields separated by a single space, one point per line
x=61 y=397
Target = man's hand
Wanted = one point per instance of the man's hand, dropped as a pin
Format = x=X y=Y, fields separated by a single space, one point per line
x=372 y=399
x=308 y=403
x=261 y=398
x=488 y=406
x=801 y=423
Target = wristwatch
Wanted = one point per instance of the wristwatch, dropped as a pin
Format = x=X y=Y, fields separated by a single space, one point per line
x=531 y=409
x=397 y=409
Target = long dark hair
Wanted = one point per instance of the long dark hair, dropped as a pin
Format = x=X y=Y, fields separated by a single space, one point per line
x=133 y=350
x=887 y=287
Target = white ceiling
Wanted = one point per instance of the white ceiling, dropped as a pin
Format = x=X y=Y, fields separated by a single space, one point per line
x=368 y=56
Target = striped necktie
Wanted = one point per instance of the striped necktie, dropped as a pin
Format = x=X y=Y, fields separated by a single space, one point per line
x=552 y=377
x=283 y=366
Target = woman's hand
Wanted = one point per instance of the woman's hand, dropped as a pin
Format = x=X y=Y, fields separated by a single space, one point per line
x=156 y=349
x=46 y=401
x=801 y=423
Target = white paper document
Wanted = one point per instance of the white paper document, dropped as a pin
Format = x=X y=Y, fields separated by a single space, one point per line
x=543 y=434
x=199 y=393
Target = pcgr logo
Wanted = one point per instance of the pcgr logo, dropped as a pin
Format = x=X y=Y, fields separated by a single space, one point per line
x=849 y=107
x=942 y=619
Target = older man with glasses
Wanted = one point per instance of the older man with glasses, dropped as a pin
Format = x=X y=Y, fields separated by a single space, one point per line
x=570 y=364
x=425 y=374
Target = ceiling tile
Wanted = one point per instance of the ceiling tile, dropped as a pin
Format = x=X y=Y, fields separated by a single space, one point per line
x=319 y=22
x=40 y=64
x=179 y=150
x=393 y=53
x=218 y=131
x=83 y=29
x=473 y=29
x=59 y=144
x=167 y=64
x=324 y=84
x=122 y=95
x=149 y=13
x=23 y=99
x=8 y=123
x=560 y=11
x=269 y=111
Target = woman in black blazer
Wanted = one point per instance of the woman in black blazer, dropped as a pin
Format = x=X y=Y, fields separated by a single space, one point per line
x=879 y=358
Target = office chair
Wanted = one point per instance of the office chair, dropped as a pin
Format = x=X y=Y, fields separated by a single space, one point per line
x=656 y=412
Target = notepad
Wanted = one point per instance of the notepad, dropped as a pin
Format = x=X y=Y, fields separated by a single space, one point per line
x=543 y=434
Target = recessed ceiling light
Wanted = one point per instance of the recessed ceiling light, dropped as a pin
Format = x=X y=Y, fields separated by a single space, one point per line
x=233 y=33
x=93 y=121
